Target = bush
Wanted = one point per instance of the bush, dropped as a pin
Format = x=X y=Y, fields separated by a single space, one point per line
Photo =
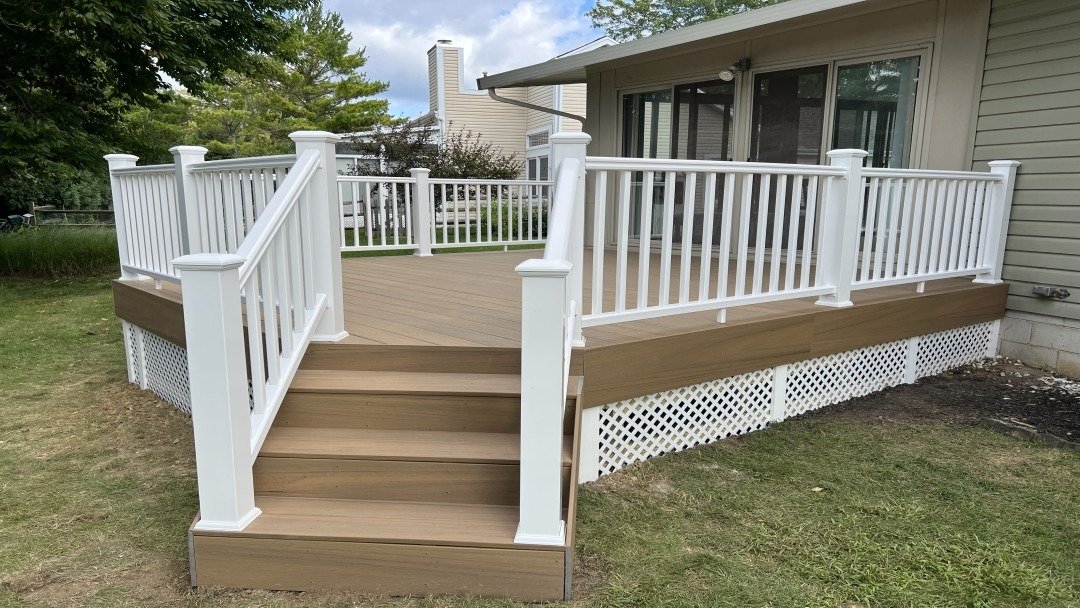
x=60 y=252
x=63 y=186
x=489 y=214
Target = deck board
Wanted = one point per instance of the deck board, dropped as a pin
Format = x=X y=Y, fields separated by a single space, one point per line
x=474 y=299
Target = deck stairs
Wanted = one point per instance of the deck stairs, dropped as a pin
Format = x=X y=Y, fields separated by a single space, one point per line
x=393 y=481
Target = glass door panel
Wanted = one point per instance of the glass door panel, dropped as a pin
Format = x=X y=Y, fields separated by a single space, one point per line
x=647 y=134
x=786 y=127
x=875 y=109
x=702 y=125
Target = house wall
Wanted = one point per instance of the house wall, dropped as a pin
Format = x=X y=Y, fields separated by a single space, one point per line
x=1029 y=111
x=465 y=109
x=950 y=34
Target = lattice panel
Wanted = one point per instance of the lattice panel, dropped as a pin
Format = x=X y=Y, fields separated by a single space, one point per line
x=952 y=348
x=827 y=380
x=158 y=365
x=674 y=420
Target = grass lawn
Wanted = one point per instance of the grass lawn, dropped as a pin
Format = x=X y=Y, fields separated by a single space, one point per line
x=97 y=489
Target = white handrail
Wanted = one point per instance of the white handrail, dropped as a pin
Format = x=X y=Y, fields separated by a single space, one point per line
x=560 y=222
x=678 y=165
x=254 y=246
x=250 y=162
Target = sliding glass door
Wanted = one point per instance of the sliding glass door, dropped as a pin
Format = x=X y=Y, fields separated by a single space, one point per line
x=875 y=109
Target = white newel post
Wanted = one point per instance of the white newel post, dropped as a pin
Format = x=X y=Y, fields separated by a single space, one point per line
x=184 y=157
x=120 y=161
x=421 y=211
x=325 y=226
x=840 y=227
x=997 y=227
x=543 y=296
x=563 y=146
x=220 y=409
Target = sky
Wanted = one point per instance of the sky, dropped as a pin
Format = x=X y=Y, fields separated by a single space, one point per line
x=497 y=35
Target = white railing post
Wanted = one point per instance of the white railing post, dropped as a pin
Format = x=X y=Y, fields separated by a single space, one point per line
x=187 y=198
x=543 y=401
x=326 y=231
x=422 y=225
x=997 y=227
x=564 y=146
x=120 y=161
x=220 y=409
x=840 y=228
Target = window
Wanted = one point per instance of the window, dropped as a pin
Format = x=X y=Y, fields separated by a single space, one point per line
x=535 y=140
x=875 y=109
x=536 y=167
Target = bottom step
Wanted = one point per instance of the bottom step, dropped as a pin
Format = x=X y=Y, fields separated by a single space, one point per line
x=384 y=547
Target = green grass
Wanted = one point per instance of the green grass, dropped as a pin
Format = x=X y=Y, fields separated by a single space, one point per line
x=55 y=252
x=97 y=489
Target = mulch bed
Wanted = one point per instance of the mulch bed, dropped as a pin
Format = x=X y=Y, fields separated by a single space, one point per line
x=998 y=393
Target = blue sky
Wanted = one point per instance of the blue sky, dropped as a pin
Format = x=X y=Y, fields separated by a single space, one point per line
x=497 y=35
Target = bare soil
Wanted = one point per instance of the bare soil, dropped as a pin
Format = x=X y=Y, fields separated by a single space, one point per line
x=994 y=390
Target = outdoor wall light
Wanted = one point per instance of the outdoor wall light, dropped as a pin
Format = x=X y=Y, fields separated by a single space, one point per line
x=740 y=66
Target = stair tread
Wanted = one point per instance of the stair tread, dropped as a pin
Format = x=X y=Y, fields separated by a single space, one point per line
x=397 y=522
x=381 y=444
x=416 y=383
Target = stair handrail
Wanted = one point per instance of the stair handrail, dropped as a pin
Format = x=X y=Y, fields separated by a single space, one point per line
x=249 y=318
x=550 y=326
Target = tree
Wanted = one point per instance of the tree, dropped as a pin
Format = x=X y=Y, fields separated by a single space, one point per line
x=315 y=84
x=629 y=19
x=71 y=69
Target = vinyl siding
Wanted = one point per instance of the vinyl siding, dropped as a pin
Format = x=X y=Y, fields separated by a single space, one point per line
x=433 y=80
x=540 y=96
x=467 y=110
x=573 y=101
x=1029 y=111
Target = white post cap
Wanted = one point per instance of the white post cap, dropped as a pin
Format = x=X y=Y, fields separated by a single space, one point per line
x=203 y=262
x=317 y=136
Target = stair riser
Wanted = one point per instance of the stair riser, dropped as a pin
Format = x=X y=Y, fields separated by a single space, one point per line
x=385 y=569
x=405 y=412
x=493 y=484
x=465 y=360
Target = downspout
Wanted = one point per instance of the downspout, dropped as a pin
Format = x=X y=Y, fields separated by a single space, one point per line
x=531 y=106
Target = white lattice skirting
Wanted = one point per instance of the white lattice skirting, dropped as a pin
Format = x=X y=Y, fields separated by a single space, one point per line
x=158 y=365
x=644 y=427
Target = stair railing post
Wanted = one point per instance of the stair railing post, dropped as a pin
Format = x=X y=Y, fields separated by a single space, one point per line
x=120 y=161
x=187 y=197
x=992 y=253
x=220 y=408
x=421 y=212
x=840 y=227
x=544 y=284
x=563 y=146
x=325 y=219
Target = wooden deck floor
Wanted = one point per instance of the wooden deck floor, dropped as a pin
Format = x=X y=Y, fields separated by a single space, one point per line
x=474 y=299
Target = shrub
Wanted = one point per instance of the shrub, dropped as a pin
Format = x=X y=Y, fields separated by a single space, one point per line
x=58 y=252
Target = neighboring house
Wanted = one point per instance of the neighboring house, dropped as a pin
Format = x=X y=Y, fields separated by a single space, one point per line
x=936 y=84
x=456 y=106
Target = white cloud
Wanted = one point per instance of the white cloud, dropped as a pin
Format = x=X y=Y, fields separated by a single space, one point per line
x=496 y=36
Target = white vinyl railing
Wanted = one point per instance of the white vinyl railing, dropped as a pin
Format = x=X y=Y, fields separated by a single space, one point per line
x=148 y=217
x=260 y=280
x=424 y=214
x=551 y=292
x=923 y=225
x=699 y=235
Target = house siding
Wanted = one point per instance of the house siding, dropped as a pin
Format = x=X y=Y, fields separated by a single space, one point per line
x=540 y=96
x=573 y=101
x=1029 y=110
x=468 y=110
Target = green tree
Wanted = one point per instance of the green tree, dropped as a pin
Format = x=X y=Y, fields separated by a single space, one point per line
x=71 y=69
x=316 y=83
x=629 y=19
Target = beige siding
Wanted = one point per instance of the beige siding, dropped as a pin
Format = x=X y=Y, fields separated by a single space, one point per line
x=1030 y=112
x=469 y=110
x=433 y=80
x=573 y=101
x=540 y=96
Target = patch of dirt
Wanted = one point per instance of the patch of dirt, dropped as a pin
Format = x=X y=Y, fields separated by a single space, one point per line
x=996 y=389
